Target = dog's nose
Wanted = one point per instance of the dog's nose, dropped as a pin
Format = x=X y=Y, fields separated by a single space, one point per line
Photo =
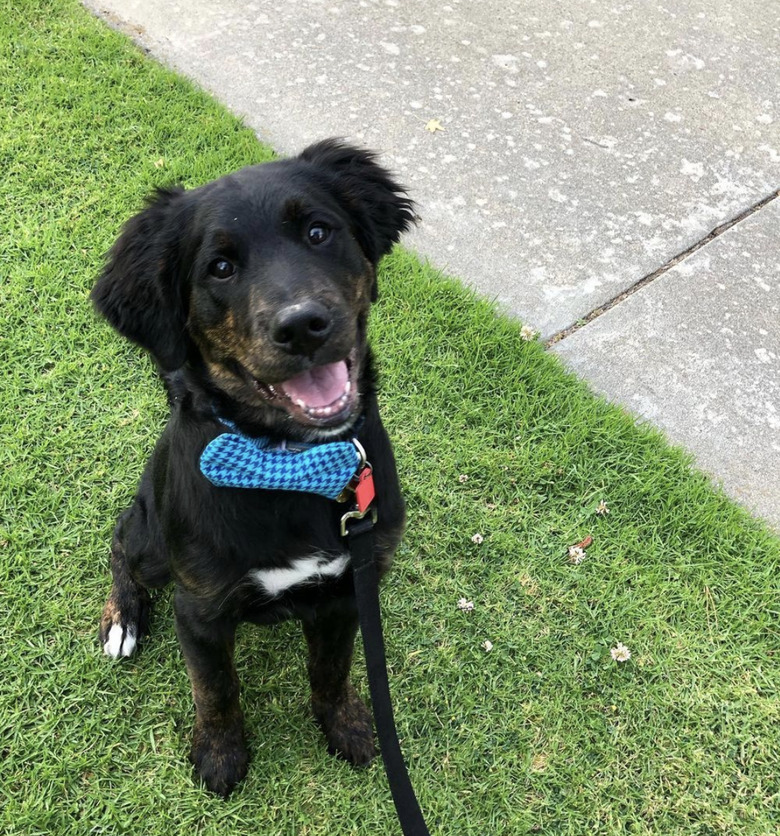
x=301 y=328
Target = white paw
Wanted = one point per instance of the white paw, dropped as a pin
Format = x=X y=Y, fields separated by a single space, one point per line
x=120 y=642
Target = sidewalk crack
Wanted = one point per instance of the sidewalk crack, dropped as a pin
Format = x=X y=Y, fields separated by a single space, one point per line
x=651 y=277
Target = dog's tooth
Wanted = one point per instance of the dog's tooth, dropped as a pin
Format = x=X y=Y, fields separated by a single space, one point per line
x=301 y=403
x=347 y=388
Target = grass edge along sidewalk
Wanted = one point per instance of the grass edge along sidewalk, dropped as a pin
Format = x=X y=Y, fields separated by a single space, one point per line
x=506 y=461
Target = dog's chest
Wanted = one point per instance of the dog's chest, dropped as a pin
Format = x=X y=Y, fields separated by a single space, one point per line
x=301 y=571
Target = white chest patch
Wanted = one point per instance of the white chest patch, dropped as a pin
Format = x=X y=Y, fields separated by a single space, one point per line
x=310 y=569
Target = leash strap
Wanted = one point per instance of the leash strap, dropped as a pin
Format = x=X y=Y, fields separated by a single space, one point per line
x=361 y=546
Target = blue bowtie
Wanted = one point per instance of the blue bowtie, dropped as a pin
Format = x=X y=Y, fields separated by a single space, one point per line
x=233 y=460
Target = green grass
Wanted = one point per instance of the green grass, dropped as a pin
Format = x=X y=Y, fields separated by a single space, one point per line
x=543 y=734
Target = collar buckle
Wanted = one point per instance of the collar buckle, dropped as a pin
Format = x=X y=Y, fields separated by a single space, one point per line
x=361 y=490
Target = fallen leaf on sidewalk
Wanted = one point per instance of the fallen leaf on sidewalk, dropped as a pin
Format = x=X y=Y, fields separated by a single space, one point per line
x=433 y=126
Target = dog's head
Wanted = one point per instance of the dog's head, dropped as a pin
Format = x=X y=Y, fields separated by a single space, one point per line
x=261 y=281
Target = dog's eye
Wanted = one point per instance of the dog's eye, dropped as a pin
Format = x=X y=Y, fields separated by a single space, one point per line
x=221 y=268
x=318 y=233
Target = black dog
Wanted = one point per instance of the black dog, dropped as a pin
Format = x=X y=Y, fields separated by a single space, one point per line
x=252 y=294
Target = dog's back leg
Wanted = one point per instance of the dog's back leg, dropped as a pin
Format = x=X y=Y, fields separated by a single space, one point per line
x=138 y=563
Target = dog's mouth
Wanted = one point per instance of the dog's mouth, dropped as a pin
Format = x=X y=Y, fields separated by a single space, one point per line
x=323 y=396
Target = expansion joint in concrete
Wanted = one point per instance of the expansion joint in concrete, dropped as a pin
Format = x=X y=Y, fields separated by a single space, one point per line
x=651 y=277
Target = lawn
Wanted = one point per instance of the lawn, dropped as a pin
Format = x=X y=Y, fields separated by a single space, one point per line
x=543 y=733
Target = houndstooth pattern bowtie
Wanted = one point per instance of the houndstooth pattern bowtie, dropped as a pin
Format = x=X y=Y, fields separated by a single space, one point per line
x=237 y=461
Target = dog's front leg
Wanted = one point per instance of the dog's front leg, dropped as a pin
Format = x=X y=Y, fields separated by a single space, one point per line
x=218 y=747
x=337 y=707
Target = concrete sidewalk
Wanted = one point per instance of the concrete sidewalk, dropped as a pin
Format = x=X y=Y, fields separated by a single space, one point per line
x=587 y=151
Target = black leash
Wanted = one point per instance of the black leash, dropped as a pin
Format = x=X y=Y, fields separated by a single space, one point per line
x=360 y=533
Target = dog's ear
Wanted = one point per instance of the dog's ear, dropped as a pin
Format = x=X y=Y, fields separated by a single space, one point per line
x=378 y=206
x=141 y=289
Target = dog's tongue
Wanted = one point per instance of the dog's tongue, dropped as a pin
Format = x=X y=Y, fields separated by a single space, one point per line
x=320 y=386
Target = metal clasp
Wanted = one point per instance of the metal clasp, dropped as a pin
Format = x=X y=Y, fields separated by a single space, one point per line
x=349 y=491
x=357 y=515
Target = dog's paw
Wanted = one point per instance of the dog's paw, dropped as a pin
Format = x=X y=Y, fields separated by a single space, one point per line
x=220 y=759
x=348 y=729
x=120 y=630
x=120 y=641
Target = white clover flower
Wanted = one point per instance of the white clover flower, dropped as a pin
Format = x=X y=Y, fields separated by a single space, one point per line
x=577 y=554
x=466 y=606
x=478 y=539
x=527 y=333
x=620 y=653
x=487 y=645
x=602 y=510
x=463 y=478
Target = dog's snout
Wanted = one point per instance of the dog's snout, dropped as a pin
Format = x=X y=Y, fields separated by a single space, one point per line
x=301 y=328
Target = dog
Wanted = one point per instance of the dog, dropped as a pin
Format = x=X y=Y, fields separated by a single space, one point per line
x=252 y=295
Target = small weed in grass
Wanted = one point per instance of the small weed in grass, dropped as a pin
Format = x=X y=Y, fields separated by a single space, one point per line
x=543 y=733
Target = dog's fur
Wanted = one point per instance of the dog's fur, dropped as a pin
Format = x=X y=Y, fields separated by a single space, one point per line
x=235 y=288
